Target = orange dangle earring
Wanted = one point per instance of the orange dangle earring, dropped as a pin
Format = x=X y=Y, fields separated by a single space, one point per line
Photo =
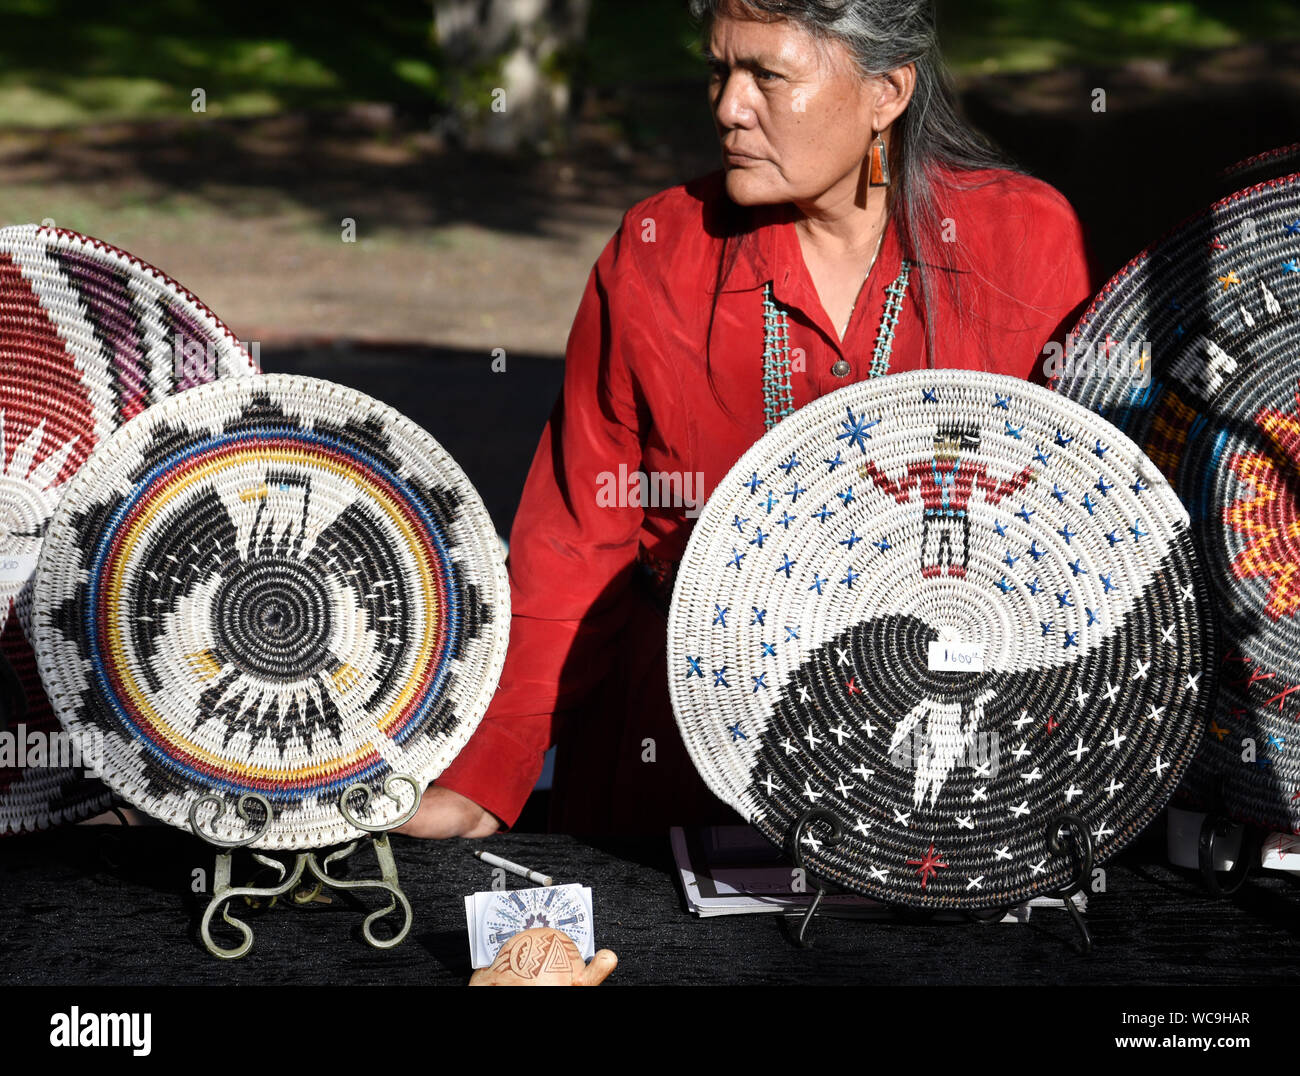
x=879 y=162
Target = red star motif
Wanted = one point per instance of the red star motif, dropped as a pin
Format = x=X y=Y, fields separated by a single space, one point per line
x=1281 y=696
x=1297 y=794
x=852 y=685
x=928 y=866
x=1218 y=244
x=1232 y=655
x=1052 y=724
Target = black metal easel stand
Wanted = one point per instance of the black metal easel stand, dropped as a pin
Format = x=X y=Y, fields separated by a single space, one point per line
x=1062 y=824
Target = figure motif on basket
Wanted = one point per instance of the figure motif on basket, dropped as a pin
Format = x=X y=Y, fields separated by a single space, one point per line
x=946 y=483
x=946 y=743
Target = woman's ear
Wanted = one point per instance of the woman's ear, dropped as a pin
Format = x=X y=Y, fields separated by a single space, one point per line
x=894 y=94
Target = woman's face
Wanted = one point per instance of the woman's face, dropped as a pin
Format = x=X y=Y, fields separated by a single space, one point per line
x=794 y=114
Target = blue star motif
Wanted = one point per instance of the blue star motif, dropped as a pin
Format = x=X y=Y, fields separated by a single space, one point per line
x=1014 y=431
x=736 y=558
x=1047 y=628
x=759 y=614
x=759 y=681
x=850 y=579
x=693 y=668
x=1003 y=402
x=790 y=464
x=1106 y=583
x=1291 y=267
x=1066 y=533
x=1034 y=587
x=736 y=734
x=1138 y=488
x=791 y=633
x=1077 y=568
x=1009 y=560
x=1071 y=639
x=1041 y=456
x=771 y=501
x=1179 y=332
x=793 y=494
x=883 y=545
x=1035 y=552
x=818 y=583
x=1175 y=305
x=1262 y=762
x=1059 y=493
x=1025 y=512
x=836 y=462
x=822 y=515
x=847 y=496
x=856 y=430
x=851 y=540
x=787 y=566
x=759 y=537
x=1004 y=586
x=721 y=617
x=1101 y=450
x=1089 y=503
x=1092 y=617
x=769 y=651
x=786 y=520
x=1000 y=528
x=1062 y=440
x=1294 y=228
x=754 y=483
x=1102 y=486
x=1276 y=741
x=739 y=524
x=1137 y=531
x=720 y=677
x=1063 y=601
x=929 y=396
x=1113 y=538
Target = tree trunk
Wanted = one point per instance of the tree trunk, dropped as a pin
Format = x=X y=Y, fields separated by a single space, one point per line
x=508 y=66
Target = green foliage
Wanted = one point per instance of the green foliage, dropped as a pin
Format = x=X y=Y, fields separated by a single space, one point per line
x=69 y=61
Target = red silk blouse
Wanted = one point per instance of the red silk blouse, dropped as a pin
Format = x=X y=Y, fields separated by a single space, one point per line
x=664 y=382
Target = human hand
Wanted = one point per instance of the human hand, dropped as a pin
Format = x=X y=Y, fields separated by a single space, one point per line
x=444 y=813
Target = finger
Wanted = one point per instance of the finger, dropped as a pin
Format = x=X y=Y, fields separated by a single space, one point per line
x=598 y=970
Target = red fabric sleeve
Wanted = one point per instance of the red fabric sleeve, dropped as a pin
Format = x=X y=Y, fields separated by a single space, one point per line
x=572 y=551
x=1056 y=280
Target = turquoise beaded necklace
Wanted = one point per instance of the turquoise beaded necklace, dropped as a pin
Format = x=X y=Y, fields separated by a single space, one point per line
x=778 y=397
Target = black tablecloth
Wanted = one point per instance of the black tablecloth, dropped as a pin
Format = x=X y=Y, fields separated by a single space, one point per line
x=104 y=905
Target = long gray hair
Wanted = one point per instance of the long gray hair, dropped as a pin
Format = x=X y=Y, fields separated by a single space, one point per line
x=882 y=35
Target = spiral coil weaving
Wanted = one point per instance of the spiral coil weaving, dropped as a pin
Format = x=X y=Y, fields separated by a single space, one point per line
x=272 y=586
x=948 y=608
x=1218 y=303
x=89 y=337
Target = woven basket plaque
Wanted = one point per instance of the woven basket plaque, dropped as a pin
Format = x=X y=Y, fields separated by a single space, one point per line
x=89 y=337
x=948 y=608
x=1217 y=306
x=271 y=585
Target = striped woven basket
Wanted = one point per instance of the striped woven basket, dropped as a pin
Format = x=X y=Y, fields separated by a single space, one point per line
x=1217 y=306
x=949 y=609
x=89 y=337
x=273 y=586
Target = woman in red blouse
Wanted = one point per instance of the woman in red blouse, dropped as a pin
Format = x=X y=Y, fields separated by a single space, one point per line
x=857 y=215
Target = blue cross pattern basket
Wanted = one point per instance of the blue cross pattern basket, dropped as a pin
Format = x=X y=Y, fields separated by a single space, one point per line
x=949 y=610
